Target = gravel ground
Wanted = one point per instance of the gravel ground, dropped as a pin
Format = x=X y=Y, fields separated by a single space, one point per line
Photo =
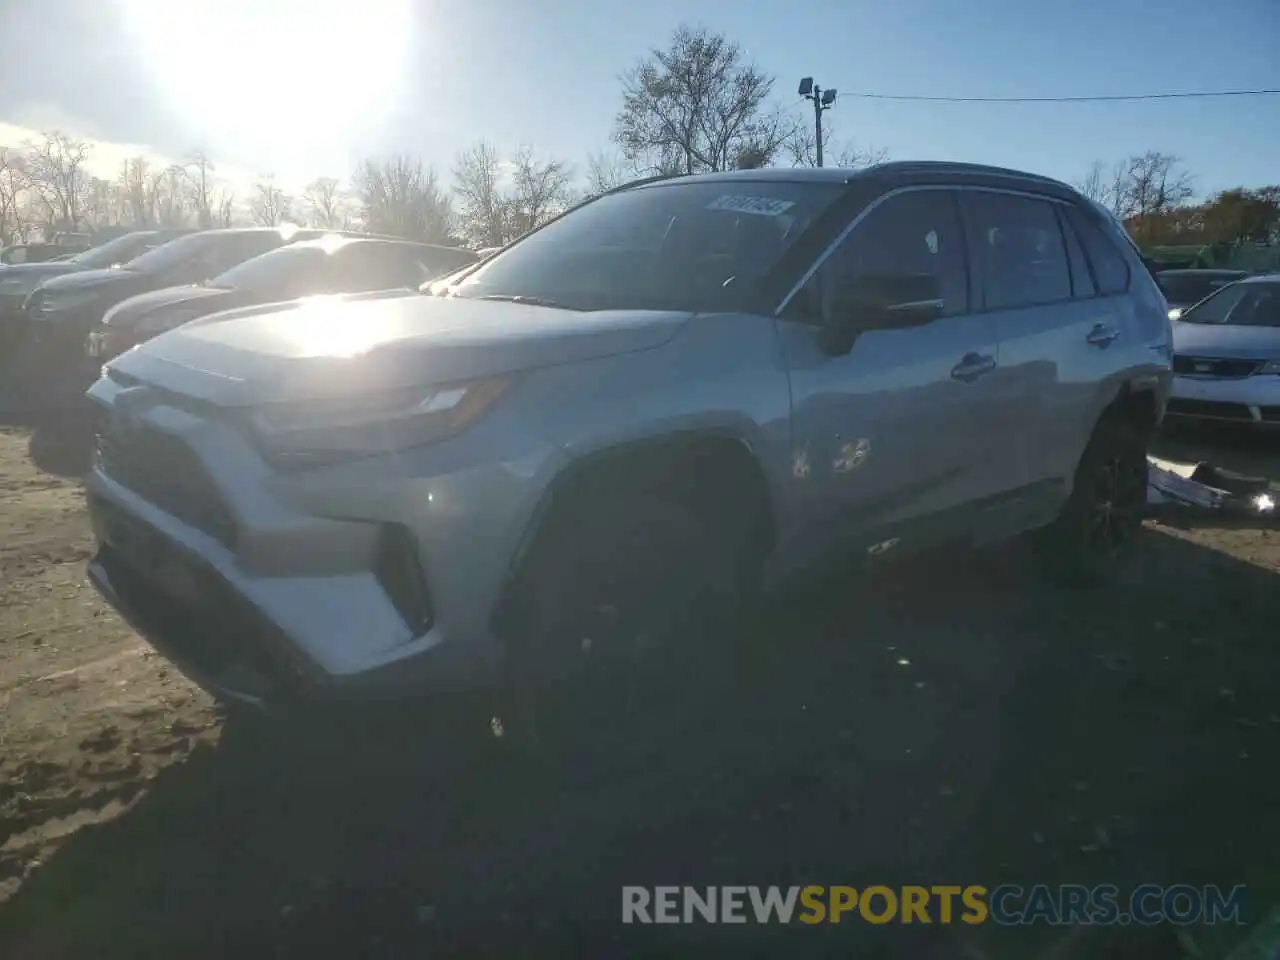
x=952 y=720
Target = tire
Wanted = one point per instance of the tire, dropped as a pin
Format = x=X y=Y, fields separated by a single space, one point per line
x=1097 y=531
x=623 y=600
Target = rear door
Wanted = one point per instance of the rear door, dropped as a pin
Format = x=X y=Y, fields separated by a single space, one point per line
x=1035 y=284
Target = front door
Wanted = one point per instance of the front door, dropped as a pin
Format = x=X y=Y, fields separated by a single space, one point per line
x=898 y=431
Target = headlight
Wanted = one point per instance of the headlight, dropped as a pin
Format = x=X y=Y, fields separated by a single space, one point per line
x=1175 y=313
x=1271 y=366
x=331 y=430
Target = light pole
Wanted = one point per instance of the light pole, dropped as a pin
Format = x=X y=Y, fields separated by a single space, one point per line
x=822 y=100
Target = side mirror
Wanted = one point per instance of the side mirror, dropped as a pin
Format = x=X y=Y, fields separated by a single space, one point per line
x=886 y=301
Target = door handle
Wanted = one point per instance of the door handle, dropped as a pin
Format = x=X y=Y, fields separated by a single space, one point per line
x=1102 y=335
x=973 y=366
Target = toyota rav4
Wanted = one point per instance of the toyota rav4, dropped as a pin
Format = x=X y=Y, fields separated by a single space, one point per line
x=677 y=393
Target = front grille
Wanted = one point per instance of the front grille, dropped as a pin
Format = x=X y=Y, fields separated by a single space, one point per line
x=1214 y=367
x=1209 y=409
x=163 y=470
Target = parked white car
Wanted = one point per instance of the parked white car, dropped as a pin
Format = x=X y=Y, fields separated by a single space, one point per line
x=1227 y=355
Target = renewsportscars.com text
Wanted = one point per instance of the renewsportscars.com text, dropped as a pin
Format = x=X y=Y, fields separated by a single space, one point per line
x=1006 y=905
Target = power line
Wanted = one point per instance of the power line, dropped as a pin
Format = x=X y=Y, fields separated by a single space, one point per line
x=1196 y=94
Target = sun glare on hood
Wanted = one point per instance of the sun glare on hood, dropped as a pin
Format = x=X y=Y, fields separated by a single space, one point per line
x=320 y=327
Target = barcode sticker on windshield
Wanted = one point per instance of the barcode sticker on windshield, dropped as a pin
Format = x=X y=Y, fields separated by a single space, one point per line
x=760 y=206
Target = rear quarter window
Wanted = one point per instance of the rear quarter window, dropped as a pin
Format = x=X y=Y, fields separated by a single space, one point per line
x=1110 y=268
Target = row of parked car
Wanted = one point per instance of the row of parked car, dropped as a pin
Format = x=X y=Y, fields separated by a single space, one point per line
x=64 y=318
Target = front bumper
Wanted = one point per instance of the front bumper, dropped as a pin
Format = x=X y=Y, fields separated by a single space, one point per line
x=265 y=587
x=1254 y=400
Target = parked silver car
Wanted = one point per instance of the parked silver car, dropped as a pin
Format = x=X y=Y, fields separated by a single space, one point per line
x=1227 y=355
x=679 y=391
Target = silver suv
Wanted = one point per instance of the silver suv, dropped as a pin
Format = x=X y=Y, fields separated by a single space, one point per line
x=674 y=394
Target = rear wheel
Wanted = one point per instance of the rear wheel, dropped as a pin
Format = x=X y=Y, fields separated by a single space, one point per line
x=622 y=602
x=1098 y=528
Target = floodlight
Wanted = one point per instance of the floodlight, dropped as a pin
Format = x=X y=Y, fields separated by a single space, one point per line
x=806 y=86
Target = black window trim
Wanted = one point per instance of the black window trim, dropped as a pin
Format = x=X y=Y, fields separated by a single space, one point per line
x=1067 y=227
x=1105 y=232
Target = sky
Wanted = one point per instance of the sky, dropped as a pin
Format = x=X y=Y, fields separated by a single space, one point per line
x=303 y=88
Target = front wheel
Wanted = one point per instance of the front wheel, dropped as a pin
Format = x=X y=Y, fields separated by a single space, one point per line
x=622 y=599
x=1098 y=528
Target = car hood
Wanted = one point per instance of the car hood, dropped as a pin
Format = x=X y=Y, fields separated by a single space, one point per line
x=32 y=273
x=85 y=280
x=130 y=312
x=1226 y=340
x=324 y=350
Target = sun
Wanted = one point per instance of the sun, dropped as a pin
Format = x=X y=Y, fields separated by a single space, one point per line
x=281 y=77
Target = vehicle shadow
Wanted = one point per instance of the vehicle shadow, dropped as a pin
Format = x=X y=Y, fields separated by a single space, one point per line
x=52 y=405
x=941 y=721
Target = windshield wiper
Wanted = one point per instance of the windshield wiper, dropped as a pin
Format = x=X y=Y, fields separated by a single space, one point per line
x=528 y=301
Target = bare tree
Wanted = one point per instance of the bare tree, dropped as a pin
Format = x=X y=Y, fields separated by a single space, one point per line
x=401 y=197
x=325 y=203
x=137 y=188
x=101 y=205
x=604 y=172
x=1094 y=184
x=269 y=205
x=540 y=190
x=698 y=105
x=171 y=197
x=802 y=148
x=1154 y=186
x=1108 y=186
x=223 y=208
x=201 y=180
x=54 y=168
x=477 y=175
x=14 y=195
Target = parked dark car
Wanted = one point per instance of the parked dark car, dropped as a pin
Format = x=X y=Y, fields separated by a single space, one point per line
x=20 y=253
x=330 y=265
x=1183 y=289
x=61 y=311
x=17 y=281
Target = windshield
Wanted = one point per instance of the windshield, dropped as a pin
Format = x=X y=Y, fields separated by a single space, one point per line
x=673 y=246
x=169 y=255
x=1192 y=288
x=285 y=269
x=1240 y=305
x=119 y=250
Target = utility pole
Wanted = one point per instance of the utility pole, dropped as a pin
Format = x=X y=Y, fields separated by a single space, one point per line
x=822 y=100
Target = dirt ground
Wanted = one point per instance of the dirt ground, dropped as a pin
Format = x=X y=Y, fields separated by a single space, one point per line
x=947 y=721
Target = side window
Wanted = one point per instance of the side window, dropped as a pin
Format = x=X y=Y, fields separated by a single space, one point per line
x=236 y=248
x=1082 y=285
x=916 y=232
x=1109 y=266
x=1021 y=256
x=374 y=266
x=436 y=263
